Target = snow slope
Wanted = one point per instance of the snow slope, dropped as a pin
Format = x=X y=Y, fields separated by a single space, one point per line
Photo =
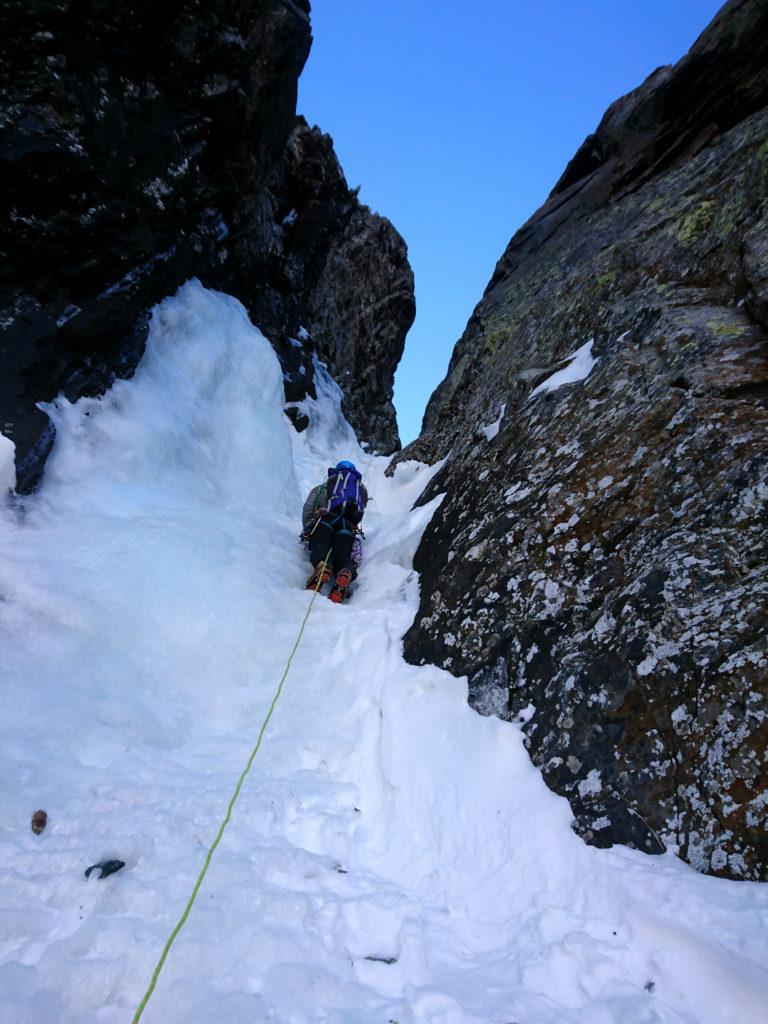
x=393 y=856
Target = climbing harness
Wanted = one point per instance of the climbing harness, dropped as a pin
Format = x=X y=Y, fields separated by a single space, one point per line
x=180 y=923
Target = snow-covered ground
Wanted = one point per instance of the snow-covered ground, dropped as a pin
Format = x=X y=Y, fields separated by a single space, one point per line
x=393 y=857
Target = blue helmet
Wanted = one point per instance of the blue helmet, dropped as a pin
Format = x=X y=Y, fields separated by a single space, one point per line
x=346 y=464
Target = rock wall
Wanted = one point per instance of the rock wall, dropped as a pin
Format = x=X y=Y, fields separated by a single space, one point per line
x=142 y=145
x=599 y=566
x=343 y=271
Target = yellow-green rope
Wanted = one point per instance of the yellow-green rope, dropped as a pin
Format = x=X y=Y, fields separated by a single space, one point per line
x=227 y=816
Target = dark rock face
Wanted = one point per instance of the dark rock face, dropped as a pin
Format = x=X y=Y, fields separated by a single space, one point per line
x=347 y=275
x=135 y=139
x=142 y=145
x=599 y=567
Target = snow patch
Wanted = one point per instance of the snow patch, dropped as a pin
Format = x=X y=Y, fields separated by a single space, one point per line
x=580 y=365
x=7 y=466
x=526 y=714
x=604 y=626
x=492 y=429
x=516 y=493
x=591 y=784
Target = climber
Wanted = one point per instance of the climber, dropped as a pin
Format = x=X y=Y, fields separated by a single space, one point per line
x=331 y=521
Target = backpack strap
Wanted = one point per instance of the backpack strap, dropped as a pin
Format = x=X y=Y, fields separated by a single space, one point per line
x=339 y=483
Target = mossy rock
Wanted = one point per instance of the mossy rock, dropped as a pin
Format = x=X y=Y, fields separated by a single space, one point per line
x=494 y=338
x=728 y=330
x=606 y=279
x=691 y=225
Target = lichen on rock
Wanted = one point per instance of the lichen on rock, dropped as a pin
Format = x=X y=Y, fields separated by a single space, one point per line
x=619 y=520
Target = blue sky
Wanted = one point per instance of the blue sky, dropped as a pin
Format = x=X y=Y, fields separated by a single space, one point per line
x=457 y=117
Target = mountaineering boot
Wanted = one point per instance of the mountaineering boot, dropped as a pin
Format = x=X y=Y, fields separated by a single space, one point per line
x=320 y=576
x=341 y=586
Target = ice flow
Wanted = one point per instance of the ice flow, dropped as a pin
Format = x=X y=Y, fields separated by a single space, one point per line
x=394 y=857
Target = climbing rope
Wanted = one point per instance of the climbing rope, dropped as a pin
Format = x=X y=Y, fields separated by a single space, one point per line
x=228 y=815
